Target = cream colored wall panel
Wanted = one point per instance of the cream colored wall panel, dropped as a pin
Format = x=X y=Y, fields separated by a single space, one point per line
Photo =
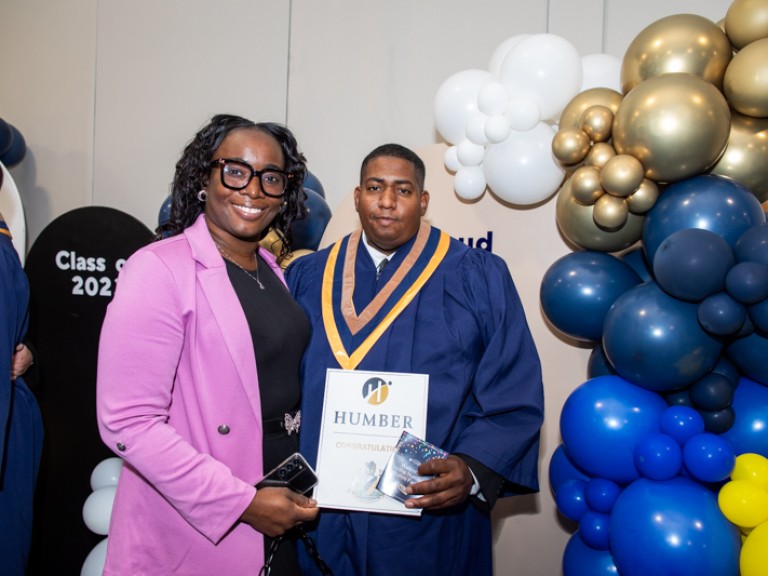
x=163 y=68
x=47 y=53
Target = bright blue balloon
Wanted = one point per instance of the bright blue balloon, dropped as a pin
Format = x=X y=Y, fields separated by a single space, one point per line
x=603 y=420
x=570 y=499
x=601 y=494
x=749 y=354
x=707 y=201
x=579 y=288
x=637 y=261
x=308 y=231
x=311 y=182
x=721 y=315
x=594 y=529
x=708 y=457
x=581 y=560
x=655 y=340
x=598 y=364
x=561 y=469
x=672 y=528
x=692 y=264
x=658 y=457
x=681 y=423
x=752 y=246
x=749 y=432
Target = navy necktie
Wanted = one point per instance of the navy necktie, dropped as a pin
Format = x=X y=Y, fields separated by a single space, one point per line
x=380 y=267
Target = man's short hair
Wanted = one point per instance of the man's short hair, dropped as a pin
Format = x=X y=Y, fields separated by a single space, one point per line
x=397 y=151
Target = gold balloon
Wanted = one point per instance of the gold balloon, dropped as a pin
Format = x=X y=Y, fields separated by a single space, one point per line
x=599 y=154
x=585 y=185
x=570 y=145
x=571 y=116
x=621 y=175
x=745 y=159
x=678 y=43
x=577 y=225
x=293 y=256
x=746 y=80
x=610 y=212
x=273 y=241
x=677 y=125
x=596 y=123
x=643 y=199
x=746 y=21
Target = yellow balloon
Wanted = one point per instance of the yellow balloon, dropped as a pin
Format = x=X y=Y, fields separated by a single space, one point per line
x=679 y=43
x=746 y=156
x=746 y=21
x=599 y=154
x=577 y=225
x=596 y=123
x=677 y=125
x=570 y=145
x=746 y=81
x=754 y=553
x=643 y=199
x=743 y=503
x=585 y=185
x=571 y=116
x=621 y=175
x=751 y=468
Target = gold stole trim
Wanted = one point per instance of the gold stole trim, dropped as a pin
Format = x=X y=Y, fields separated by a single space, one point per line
x=356 y=323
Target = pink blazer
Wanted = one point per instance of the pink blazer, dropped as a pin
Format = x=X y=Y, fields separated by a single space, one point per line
x=178 y=400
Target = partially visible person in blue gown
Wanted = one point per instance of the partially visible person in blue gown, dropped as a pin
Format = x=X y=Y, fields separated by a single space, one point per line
x=466 y=329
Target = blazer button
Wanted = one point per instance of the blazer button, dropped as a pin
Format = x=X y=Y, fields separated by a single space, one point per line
x=223 y=429
x=121 y=447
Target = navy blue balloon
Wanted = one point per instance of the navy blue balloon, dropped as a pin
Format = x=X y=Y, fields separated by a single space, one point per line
x=603 y=420
x=747 y=282
x=561 y=469
x=727 y=369
x=749 y=355
x=581 y=560
x=16 y=151
x=706 y=201
x=656 y=341
x=749 y=433
x=758 y=316
x=164 y=215
x=672 y=527
x=637 y=261
x=718 y=421
x=752 y=246
x=6 y=136
x=308 y=231
x=579 y=288
x=692 y=264
x=598 y=364
x=711 y=392
x=681 y=423
x=678 y=398
x=721 y=315
x=311 y=182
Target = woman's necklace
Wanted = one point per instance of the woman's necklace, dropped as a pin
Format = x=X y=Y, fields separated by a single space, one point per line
x=228 y=256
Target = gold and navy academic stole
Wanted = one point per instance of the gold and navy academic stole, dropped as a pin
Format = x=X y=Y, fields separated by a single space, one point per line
x=347 y=330
x=4 y=229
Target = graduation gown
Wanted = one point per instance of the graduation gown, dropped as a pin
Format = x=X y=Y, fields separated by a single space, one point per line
x=466 y=328
x=21 y=428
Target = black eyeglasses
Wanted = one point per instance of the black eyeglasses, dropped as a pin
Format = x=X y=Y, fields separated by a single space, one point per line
x=236 y=175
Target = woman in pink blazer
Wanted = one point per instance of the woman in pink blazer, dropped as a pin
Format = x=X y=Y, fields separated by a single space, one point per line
x=198 y=374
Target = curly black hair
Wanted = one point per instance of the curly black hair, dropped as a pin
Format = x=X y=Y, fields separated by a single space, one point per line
x=193 y=171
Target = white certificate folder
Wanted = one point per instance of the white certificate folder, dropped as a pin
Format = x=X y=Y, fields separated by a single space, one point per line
x=364 y=415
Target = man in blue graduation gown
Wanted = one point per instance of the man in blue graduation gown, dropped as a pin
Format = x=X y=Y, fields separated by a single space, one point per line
x=442 y=309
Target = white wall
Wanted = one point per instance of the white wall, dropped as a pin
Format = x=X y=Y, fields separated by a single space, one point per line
x=107 y=93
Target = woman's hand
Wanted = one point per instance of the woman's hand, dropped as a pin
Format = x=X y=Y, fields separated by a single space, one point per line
x=273 y=511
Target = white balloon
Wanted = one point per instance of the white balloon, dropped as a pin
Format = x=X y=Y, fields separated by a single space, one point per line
x=94 y=562
x=522 y=111
x=600 y=71
x=497 y=128
x=522 y=169
x=492 y=98
x=476 y=129
x=469 y=182
x=451 y=159
x=106 y=473
x=97 y=509
x=501 y=52
x=549 y=67
x=469 y=153
x=456 y=100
